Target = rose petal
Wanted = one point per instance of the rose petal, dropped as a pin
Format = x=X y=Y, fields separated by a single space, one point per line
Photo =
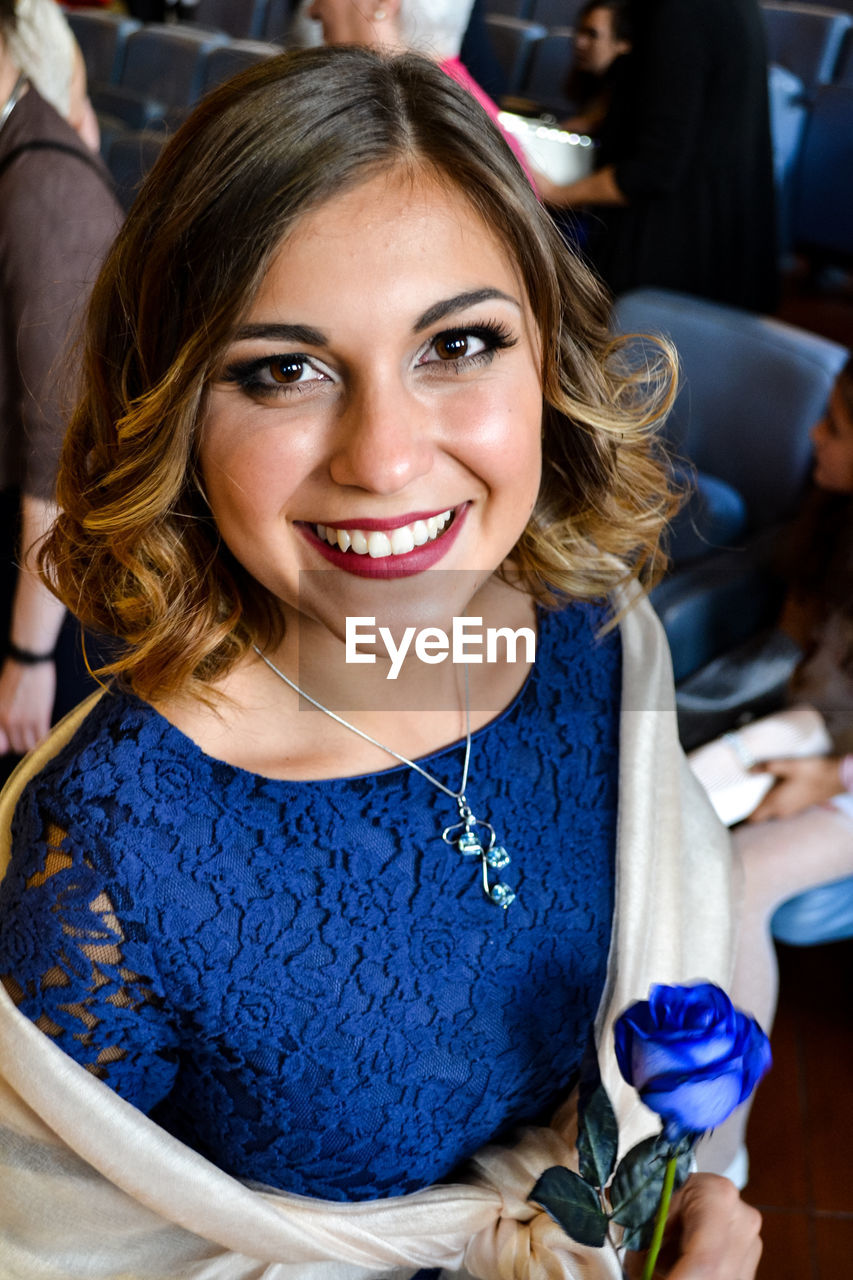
x=693 y=1106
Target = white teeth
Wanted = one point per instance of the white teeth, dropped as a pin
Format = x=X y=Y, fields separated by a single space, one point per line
x=377 y=543
x=402 y=540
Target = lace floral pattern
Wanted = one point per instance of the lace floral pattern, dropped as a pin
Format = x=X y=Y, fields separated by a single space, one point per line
x=301 y=980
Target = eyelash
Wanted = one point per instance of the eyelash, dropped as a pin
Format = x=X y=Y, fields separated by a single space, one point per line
x=493 y=333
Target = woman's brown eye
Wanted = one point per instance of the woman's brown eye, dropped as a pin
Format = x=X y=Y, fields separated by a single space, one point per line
x=451 y=346
x=285 y=371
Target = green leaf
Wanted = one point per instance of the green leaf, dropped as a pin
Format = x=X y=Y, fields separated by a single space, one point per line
x=573 y=1205
x=598 y=1139
x=639 y=1237
x=636 y=1188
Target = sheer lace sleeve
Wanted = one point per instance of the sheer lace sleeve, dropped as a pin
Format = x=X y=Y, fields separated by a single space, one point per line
x=75 y=961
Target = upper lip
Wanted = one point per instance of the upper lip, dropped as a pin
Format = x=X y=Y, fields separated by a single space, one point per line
x=369 y=523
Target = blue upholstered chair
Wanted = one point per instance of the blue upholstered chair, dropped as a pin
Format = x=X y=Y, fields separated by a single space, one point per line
x=161 y=77
x=228 y=60
x=807 y=39
x=513 y=40
x=819 y=915
x=751 y=390
x=511 y=8
x=131 y=155
x=242 y=19
x=822 y=212
x=788 y=115
x=548 y=69
x=556 y=13
x=102 y=37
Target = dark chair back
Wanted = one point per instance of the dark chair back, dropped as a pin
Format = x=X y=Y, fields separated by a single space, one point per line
x=166 y=63
x=807 y=39
x=548 y=70
x=513 y=41
x=230 y=59
x=823 y=203
x=242 y=19
x=131 y=157
x=101 y=37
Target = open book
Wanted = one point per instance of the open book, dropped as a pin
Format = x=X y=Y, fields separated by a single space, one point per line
x=723 y=766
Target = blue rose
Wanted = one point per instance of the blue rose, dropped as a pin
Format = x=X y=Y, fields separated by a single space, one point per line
x=691 y=1055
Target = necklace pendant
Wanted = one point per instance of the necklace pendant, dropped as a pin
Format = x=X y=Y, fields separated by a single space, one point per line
x=502 y=895
x=471 y=844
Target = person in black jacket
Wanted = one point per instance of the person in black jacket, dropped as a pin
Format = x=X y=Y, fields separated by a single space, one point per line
x=682 y=196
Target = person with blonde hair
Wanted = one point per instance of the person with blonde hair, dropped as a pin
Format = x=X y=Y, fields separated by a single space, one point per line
x=310 y=909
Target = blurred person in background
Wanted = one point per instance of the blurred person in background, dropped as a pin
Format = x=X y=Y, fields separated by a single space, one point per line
x=433 y=28
x=682 y=196
x=603 y=39
x=57 y=219
x=42 y=45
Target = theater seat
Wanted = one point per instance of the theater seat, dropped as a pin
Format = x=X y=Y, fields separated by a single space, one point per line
x=548 y=70
x=511 y=8
x=807 y=39
x=102 y=38
x=242 y=19
x=229 y=59
x=751 y=389
x=823 y=199
x=131 y=156
x=162 y=75
x=556 y=13
x=788 y=115
x=513 y=41
x=820 y=915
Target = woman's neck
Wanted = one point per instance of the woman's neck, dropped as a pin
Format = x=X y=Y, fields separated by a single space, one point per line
x=266 y=728
x=8 y=73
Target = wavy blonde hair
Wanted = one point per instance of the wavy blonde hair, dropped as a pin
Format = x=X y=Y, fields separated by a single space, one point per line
x=135 y=552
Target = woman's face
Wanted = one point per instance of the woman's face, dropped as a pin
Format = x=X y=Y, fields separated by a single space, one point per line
x=345 y=21
x=378 y=413
x=832 y=438
x=596 y=45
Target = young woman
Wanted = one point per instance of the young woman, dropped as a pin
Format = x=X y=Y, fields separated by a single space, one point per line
x=286 y=941
x=798 y=844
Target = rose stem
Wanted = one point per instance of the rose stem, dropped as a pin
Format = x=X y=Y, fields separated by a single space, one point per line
x=660 y=1220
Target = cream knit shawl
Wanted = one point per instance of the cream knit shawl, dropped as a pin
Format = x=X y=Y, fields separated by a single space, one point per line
x=91 y=1189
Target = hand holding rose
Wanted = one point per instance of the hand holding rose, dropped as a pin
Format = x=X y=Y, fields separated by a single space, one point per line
x=710 y=1234
x=693 y=1057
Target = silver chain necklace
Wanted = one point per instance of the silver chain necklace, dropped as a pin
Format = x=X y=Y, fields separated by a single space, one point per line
x=13 y=99
x=463 y=834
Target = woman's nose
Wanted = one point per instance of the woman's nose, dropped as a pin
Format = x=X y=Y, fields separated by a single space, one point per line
x=383 y=439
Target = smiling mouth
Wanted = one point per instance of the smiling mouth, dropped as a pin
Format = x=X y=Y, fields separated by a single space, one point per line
x=378 y=544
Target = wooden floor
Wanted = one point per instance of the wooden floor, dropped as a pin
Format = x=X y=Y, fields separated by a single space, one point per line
x=801 y=1131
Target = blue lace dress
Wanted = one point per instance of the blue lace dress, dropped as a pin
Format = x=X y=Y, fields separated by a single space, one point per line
x=300 y=979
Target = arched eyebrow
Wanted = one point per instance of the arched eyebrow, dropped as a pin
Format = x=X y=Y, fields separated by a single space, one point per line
x=312 y=337
x=304 y=333
x=448 y=305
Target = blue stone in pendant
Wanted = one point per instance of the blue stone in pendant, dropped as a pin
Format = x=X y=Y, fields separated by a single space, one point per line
x=468 y=844
x=498 y=858
x=502 y=895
